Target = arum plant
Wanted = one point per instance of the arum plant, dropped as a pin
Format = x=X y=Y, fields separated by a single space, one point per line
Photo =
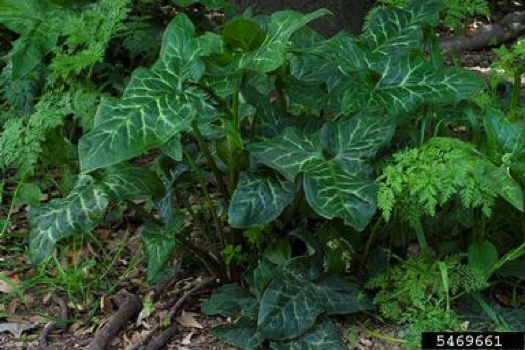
x=275 y=112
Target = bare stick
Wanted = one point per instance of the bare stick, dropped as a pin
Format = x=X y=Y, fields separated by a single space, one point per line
x=129 y=305
x=168 y=333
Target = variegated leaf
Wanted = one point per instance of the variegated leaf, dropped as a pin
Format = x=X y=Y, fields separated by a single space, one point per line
x=289 y=307
x=288 y=153
x=323 y=336
x=407 y=83
x=159 y=243
x=334 y=163
x=127 y=182
x=272 y=53
x=394 y=30
x=79 y=212
x=157 y=104
x=259 y=199
x=335 y=192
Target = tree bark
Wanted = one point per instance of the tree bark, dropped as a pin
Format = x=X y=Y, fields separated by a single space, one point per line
x=346 y=14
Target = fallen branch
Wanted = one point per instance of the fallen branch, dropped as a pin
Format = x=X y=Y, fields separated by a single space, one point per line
x=168 y=333
x=129 y=305
x=509 y=28
x=52 y=326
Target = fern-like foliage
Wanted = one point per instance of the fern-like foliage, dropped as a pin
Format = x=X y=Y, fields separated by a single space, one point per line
x=87 y=37
x=414 y=292
x=37 y=98
x=21 y=142
x=421 y=179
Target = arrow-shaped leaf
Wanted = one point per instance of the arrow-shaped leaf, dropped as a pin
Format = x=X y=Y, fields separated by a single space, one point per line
x=127 y=182
x=334 y=192
x=395 y=30
x=157 y=104
x=159 y=242
x=259 y=199
x=79 y=212
x=288 y=153
x=323 y=336
x=407 y=82
x=271 y=54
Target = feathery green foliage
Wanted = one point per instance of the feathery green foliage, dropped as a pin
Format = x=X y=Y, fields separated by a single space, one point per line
x=39 y=98
x=416 y=292
x=421 y=179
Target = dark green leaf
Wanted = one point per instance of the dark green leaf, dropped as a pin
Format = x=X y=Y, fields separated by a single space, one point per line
x=30 y=194
x=483 y=256
x=269 y=117
x=259 y=199
x=335 y=165
x=289 y=307
x=504 y=136
x=228 y=300
x=272 y=53
x=334 y=192
x=127 y=182
x=509 y=189
x=323 y=336
x=159 y=243
x=173 y=148
x=36 y=22
x=244 y=34
x=263 y=276
x=342 y=297
x=394 y=30
x=278 y=252
x=157 y=104
x=243 y=332
x=288 y=153
x=406 y=83
x=515 y=268
x=79 y=212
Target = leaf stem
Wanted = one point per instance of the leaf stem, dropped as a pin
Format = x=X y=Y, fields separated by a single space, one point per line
x=209 y=158
x=515 y=92
x=368 y=245
x=211 y=208
x=220 y=101
x=420 y=234
x=198 y=218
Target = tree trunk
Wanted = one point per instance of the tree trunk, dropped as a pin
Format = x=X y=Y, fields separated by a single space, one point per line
x=347 y=14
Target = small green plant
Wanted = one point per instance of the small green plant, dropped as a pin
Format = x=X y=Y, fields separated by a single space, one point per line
x=287 y=304
x=418 y=293
x=511 y=65
x=422 y=179
x=278 y=117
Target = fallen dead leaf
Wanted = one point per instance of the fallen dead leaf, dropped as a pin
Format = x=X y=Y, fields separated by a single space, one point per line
x=16 y=329
x=105 y=305
x=187 y=320
x=13 y=305
x=7 y=282
x=187 y=339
